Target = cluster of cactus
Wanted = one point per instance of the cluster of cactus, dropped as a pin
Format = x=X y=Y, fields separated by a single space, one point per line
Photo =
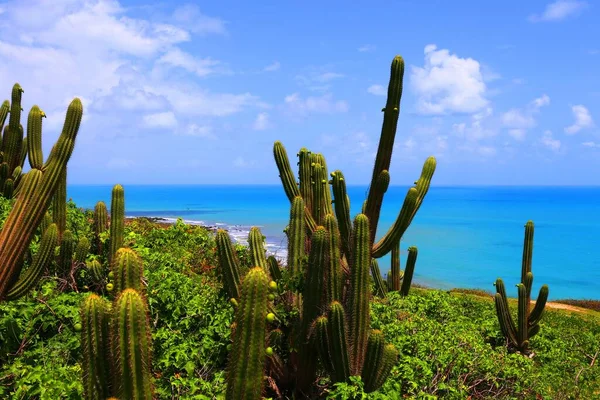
x=330 y=257
x=527 y=326
x=33 y=192
x=116 y=338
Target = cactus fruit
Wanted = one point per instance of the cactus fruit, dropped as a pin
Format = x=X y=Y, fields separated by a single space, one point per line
x=247 y=360
x=117 y=220
x=35 y=195
x=527 y=325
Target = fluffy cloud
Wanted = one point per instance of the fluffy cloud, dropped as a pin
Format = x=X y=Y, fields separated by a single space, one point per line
x=583 y=119
x=548 y=141
x=262 y=122
x=377 y=90
x=519 y=120
x=448 y=83
x=559 y=10
x=591 y=144
x=366 y=48
x=160 y=120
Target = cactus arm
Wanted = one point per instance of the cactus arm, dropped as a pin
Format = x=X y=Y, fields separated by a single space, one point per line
x=296 y=236
x=337 y=328
x=342 y=211
x=522 y=316
x=228 y=264
x=247 y=359
x=507 y=324
x=82 y=249
x=59 y=204
x=388 y=360
x=395 y=270
x=386 y=141
x=373 y=359
x=409 y=270
x=540 y=304
x=65 y=256
x=373 y=205
x=34 y=137
x=323 y=342
x=334 y=271
x=274 y=269
x=380 y=288
x=305 y=178
x=285 y=171
x=527 y=258
x=318 y=192
x=359 y=296
x=40 y=261
x=117 y=220
x=257 y=248
x=396 y=231
x=100 y=224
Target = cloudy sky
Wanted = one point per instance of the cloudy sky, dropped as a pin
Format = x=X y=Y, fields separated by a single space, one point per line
x=505 y=93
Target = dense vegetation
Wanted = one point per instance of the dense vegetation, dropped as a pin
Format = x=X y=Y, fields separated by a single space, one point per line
x=450 y=343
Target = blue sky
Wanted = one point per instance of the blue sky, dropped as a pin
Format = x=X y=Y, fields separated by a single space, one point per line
x=502 y=93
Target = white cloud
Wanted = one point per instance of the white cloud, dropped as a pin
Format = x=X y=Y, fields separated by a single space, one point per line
x=160 y=120
x=366 y=47
x=478 y=127
x=583 y=119
x=448 y=83
x=551 y=143
x=192 y=19
x=262 y=122
x=519 y=120
x=591 y=144
x=272 y=67
x=314 y=104
x=377 y=90
x=177 y=58
x=559 y=10
x=318 y=78
x=203 y=131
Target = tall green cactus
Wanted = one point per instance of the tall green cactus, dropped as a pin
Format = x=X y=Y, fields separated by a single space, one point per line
x=100 y=224
x=33 y=200
x=128 y=270
x=527 y=325
x=117 y=341
x=132 y=346
x=316 y=191
x=59 y=204
x=95 y=313
x=117 y=220
x=229 y=265
x=247 y=360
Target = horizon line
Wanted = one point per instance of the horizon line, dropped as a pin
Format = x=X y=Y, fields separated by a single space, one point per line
x=352 y=185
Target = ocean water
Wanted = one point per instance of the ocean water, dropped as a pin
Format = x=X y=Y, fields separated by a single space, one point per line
x=466 y=236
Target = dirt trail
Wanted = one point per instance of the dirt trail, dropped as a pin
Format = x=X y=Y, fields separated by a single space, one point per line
x=562 y=306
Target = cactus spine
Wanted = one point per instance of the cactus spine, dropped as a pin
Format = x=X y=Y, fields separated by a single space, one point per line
x=527 y=325
x=33 y=200
x=247 y=362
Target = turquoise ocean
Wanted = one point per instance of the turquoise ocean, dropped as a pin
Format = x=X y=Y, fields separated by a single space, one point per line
x=466 y=236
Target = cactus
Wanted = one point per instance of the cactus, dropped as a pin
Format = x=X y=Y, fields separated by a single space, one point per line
x=127 y=355
x=229 y=265
x=94 y=342
x=100 y=224
x=132 y=349
x=37 y=188
x=65 y=255
x=128 y=270
x=40 y=261
x=96 y=270
x=117 y=220
x=380 y=286
x=527 y=326
x=274 y=268
x=59 y=204
x=257 y=248
x=247 y=361
x=82 y=249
